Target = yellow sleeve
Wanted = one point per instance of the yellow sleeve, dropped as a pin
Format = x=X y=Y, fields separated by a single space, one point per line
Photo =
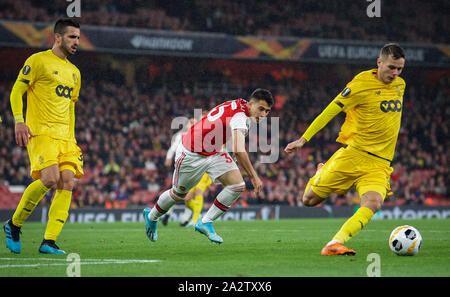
x=322 y=119
x=30 y=70
x=347 y=99
x=72 y=118
x=15 y=99
x=27 y=76
x=350 y=96
x=76 y=92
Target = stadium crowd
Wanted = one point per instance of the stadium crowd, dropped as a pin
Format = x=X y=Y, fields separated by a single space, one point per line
x=124 y=130
x=303 y=18
x=123 y=125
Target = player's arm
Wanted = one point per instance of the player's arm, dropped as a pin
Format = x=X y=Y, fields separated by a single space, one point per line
x=172 y=149
x=22 y=131
x=319 y=122
x=241 y=155
x=72 y=117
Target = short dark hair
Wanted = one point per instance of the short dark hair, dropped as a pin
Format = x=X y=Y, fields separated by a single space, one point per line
x=263 y=94
x=62 y=24
x=392 y=49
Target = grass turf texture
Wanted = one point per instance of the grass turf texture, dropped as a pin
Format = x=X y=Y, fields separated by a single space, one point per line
x=273 y=248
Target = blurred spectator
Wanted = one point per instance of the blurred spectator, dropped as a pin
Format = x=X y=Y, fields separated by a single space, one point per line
x=423 y=21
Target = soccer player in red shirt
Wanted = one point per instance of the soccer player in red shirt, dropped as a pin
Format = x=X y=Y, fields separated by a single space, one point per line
x=202 y=151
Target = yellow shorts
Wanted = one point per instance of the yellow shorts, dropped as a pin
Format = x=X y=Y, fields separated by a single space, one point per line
x=352 y=168
x=45 y=151
x=203 y=184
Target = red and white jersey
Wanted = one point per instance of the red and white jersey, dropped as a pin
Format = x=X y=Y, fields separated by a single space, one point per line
x=208 y=135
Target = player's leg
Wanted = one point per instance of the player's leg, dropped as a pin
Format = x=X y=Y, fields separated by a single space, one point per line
x=370 y=203
x=197 y=202
x=336 y=175
x=189 y=208
x=197 y=205
x=70 y=160
x=372 y=186
x=311 y=198
x=30 y=198
x=165 y=202
x=234 y=185
x=34 y=193
x=165 y=218
x=187 y=173
x=58 y=212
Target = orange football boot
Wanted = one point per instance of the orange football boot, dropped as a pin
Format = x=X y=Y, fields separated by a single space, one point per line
x=337 y=249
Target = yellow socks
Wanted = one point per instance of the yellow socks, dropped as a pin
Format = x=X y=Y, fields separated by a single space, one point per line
x=58 y=213
x=30 y=198
x=197 y=207
x=353 y=225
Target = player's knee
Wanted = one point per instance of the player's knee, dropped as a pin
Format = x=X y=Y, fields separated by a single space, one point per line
x=374 y=206
x=307 y=200
x=177 y=195
x=311 y=199
x=372 y=200
x=68 y=184
x=50 y=180
x=238 y=188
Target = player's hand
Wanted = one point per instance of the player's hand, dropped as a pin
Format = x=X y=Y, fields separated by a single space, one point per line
x=23 y=134
x=168 y=162
x=257 y=184
x=295 y=145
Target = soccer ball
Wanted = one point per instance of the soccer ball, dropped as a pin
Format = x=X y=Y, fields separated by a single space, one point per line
x=405 y=240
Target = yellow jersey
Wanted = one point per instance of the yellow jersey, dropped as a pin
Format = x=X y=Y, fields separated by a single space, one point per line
x=373 y=113
x=53 y=88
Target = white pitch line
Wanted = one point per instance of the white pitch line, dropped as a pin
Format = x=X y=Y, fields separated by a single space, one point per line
x=84 y=262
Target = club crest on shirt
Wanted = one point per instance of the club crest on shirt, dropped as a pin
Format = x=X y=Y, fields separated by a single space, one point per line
x=26 y=69
x=346 y=92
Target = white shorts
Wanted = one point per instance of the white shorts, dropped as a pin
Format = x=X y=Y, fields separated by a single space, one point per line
x=190 y=167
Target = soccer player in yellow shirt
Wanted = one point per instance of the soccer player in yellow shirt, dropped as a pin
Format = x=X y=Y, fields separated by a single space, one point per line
x=52 y=84
x=373 y=103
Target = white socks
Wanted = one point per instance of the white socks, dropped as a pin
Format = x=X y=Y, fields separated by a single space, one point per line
x=223 y=201
x=164 y=204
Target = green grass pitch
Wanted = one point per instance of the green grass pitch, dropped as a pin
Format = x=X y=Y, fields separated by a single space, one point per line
x=272 y=248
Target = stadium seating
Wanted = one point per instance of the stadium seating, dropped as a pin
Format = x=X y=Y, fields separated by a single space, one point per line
x=138 y=136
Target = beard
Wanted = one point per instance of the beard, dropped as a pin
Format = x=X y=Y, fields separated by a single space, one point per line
x=66 y=49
